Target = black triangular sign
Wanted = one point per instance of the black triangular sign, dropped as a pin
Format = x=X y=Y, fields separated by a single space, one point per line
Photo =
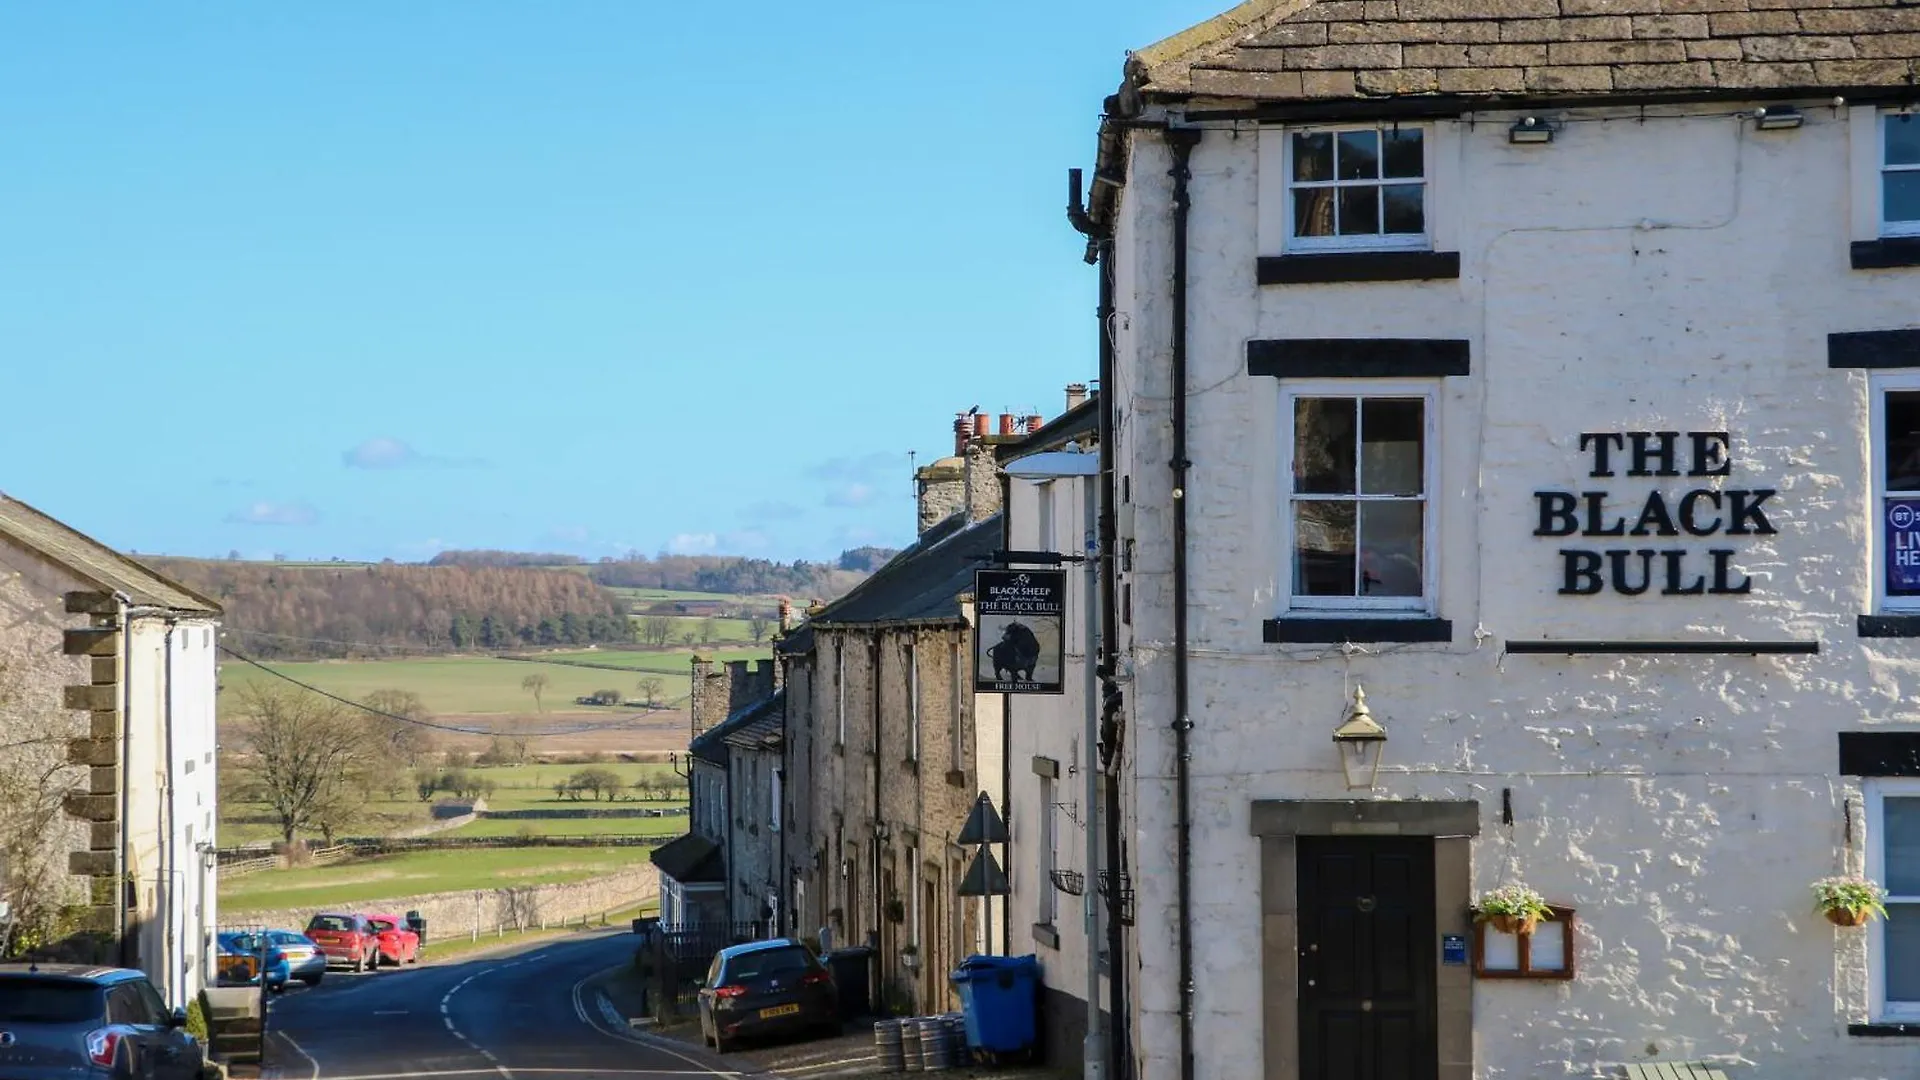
x=983 y=824
x=984 y=877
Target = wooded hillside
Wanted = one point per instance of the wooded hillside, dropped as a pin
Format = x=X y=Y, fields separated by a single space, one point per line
x=319 y=611
x=733 y=574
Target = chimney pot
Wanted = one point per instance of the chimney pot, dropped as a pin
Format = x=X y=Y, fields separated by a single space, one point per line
x=980 y=422
x=960 y=428
x=1035 y=423
x=1076 y=395
x=1006 y=423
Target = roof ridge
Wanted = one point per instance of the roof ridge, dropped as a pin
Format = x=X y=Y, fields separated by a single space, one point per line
x=156 y=584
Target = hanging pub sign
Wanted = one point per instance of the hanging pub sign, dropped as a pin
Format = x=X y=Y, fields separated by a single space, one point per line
x=1017 y=640
x=1669 y=540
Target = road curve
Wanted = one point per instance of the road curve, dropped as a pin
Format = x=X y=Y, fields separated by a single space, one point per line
x=515 y=1015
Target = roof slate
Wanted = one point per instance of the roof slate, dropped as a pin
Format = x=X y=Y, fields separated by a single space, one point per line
x=98 y=563
x=1298 y=50
x=922 y=584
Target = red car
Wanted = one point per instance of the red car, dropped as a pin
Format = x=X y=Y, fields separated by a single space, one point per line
x=348 y=941
x=397 y=943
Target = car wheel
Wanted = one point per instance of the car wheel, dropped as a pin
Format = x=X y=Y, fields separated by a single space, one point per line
x=359 y=963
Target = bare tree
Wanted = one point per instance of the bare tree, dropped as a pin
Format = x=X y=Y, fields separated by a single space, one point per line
x=656 y=630
x=403 y=729
x=650 y=688
x=758 y=626
x=687 y=638
x=34 y=780
x=707 y=630
x=535 y=684
x=311 y=761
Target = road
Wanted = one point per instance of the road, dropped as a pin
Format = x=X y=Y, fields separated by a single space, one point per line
x=511 y=1016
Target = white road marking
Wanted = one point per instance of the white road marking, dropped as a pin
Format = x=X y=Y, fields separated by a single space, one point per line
x=446 y=1014
x=311 y=1060
x=625 y=1033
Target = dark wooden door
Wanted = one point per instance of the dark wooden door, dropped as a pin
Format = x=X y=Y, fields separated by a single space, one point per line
x=1367 y=959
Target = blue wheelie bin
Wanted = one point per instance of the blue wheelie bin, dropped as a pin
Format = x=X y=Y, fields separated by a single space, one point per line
x=999 y=996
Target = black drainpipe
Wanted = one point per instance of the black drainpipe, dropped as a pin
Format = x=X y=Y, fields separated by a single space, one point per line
x=1182 y=142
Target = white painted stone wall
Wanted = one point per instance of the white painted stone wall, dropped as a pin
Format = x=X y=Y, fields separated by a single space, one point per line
x=1052 y=726
x=1675 y=274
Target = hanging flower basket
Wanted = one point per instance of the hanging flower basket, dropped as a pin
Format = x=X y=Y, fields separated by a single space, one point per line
x=1512 y=909
x=1849 y=900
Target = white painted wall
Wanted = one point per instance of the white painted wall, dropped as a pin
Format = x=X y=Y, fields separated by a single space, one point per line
x=1052 y=726
x=1673 y=274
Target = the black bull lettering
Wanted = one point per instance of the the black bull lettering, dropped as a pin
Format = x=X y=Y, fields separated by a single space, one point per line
x=1016 y=653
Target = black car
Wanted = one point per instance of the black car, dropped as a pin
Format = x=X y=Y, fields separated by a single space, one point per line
x=75 y=1022
x=766 y=988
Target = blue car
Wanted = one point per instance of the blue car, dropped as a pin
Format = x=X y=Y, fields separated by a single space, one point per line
x=288 y=954
x=240 y=956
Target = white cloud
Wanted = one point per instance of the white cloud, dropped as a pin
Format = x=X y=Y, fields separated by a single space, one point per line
x=849 y=495
x=386 y=452
x=275 y=513
x=693 y=543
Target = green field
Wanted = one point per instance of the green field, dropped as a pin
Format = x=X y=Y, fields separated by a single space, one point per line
x=517 y=787
x=656 y=596
x=415 y=873
x=678 y=664
x=672 y=825
x=467 y=684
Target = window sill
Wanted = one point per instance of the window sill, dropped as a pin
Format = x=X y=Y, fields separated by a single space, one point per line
x=1045 y=934
x=957 y=778
x=1315 y=268
x=1358 y=630
x=1886 y=253
x=1892 y=625
x=1885 y=1029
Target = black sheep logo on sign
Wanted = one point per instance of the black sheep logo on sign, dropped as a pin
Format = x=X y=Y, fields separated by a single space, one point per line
x=1016 y=653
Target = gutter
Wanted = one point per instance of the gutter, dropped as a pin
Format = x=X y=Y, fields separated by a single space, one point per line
x=1182 y=141
x=169 y=861
x=126 y=712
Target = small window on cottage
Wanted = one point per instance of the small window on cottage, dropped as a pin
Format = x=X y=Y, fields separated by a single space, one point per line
x=1896 y=424
x=1357 y=517
x=1899 y=174
x=1357 y=188
x=1893 y=859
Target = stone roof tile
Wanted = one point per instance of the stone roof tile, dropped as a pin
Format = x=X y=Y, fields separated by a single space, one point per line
x=1300 y=50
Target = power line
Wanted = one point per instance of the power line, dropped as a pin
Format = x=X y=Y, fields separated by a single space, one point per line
x=363 y=707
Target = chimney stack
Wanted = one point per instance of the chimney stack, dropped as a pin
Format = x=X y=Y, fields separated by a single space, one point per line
x=786 y=614
x=1076 y=395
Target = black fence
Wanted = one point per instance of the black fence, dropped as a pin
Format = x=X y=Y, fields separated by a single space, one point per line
x=673 y=960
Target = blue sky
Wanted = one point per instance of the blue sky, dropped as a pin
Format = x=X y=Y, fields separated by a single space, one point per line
x=373 y=279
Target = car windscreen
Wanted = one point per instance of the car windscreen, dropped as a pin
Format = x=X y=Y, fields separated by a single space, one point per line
x=380 y=925
x=288 y=937
x=48 y=1001
x=330 y=922
x=767 y=963
x=240 y=943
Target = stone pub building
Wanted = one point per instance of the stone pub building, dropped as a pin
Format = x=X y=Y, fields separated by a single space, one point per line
x=1540 y=379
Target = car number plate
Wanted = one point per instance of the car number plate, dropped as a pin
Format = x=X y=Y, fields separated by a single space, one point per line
x=779 y=1010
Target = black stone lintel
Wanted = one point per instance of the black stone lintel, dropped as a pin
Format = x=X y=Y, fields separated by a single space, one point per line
x=1884 y=1030
x=1887 y=254
x=1356 y=630
x=1340 y=266
x=1670 y=648
x=1888 y=626
x=1358 y=358
x=1874 y=349
x=1880 y=753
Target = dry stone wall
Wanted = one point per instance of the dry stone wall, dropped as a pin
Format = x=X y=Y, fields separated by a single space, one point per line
x=461 y=914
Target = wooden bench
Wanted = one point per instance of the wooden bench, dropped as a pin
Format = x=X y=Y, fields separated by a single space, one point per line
x=1674 y=1070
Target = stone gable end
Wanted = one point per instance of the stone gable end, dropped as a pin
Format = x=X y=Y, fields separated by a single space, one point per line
x=1388 y=48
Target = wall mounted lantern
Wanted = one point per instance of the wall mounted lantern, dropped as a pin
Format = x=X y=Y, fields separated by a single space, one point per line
x=1778 y=118
x=1530 y=129
x=1361 y=741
